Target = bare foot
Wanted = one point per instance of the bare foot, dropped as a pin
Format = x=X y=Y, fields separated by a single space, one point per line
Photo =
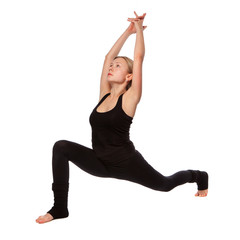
x=45 y=218
x=202 y=193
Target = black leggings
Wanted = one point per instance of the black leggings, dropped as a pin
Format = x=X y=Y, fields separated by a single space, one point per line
x=134 y=168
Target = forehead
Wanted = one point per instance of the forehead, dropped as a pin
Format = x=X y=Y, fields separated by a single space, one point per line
x=119 y=60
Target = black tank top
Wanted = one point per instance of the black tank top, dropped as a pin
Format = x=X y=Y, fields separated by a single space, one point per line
x=110 y=133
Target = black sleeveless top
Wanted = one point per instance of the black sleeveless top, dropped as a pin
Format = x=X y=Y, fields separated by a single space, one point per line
x=110 y=132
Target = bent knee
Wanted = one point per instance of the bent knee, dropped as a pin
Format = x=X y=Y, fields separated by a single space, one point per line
x=59 y=145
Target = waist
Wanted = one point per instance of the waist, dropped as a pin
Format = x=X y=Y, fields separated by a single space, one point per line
x=112 y=153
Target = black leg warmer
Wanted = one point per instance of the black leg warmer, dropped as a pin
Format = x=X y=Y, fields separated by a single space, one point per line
x=60 y=210
x=201 y=178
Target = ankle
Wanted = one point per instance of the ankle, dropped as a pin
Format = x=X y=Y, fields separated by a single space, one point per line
x=57 y=212
x=59 y=209
x=201 y=178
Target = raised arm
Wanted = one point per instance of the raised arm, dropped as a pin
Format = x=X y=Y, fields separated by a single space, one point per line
x=104 y=85
x=114 y=51
x=135 y=91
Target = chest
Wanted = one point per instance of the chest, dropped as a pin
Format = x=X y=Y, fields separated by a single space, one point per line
x=110 y=104
x=113 y=121
x=107 y=105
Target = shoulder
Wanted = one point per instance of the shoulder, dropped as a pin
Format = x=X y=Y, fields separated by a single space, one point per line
x=132 y=96
x=129 y=103
x=103 y=95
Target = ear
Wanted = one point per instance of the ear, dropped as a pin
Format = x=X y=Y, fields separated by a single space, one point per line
x=129 y=77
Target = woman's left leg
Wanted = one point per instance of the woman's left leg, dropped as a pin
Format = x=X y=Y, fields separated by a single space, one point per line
x=136 y=169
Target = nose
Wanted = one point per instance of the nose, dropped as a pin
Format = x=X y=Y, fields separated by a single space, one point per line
x=110 y=68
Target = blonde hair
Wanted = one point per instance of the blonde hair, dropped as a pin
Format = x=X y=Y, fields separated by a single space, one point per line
x=129 y=62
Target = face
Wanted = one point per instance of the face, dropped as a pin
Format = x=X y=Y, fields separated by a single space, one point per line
x=118 y=71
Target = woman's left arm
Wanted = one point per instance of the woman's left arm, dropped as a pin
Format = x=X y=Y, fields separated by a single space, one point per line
x=136 y=89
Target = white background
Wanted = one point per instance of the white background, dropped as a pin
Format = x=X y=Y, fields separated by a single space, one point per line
x=51 y=56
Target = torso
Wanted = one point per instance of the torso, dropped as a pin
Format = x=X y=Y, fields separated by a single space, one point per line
x=110 y=130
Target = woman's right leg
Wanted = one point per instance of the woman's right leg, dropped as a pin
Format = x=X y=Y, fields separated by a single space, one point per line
x=85 y=158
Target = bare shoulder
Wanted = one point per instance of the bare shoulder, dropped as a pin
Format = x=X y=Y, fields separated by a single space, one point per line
x=129 y=103
x=103 y=93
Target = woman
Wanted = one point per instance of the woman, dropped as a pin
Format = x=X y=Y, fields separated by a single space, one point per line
x=113 y=154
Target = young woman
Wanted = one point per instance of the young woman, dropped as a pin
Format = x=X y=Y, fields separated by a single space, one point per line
x=113 y=154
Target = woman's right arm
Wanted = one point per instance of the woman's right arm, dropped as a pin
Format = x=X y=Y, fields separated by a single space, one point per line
x=114 y=51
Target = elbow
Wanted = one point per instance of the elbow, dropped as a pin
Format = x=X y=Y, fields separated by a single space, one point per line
x=139 y=57
x=109 y=57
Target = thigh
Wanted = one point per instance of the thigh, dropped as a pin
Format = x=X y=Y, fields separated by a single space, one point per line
x=85 y=158
x=138 y=170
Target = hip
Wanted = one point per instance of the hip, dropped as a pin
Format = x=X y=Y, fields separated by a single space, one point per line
x=112 y=155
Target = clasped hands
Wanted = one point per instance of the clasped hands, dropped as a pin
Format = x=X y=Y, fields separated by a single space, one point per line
x=136 y=23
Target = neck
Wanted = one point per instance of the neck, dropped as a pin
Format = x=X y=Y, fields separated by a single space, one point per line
x=117 y=90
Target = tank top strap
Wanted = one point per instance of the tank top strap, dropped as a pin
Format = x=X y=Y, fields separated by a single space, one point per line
x=103 y=98
x=119 y=102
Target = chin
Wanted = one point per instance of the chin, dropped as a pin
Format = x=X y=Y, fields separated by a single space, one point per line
x=115 y=82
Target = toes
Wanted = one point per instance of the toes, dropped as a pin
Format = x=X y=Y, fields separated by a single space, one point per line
x=201 y=193
x=197 y=194
x=39 y=220
x=43 y=219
